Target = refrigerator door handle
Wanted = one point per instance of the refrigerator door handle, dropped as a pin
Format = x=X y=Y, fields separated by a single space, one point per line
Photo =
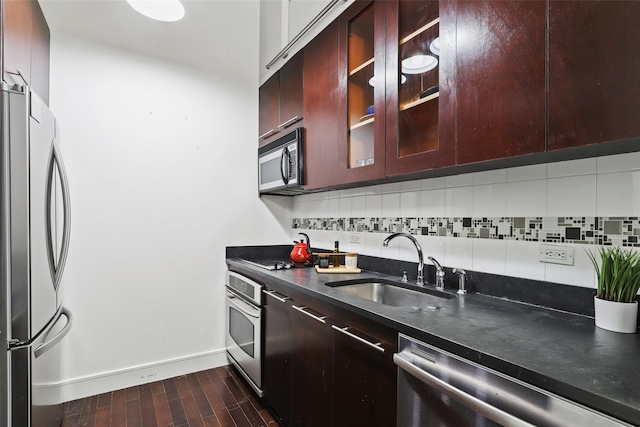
x=46 y=346
x=55 y=159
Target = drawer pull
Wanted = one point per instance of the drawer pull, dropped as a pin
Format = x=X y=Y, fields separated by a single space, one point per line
x=377 y=346
x=273 y=295
x=313 y=316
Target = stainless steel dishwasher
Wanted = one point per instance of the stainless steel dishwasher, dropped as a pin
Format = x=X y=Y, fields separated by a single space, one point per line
x=436 y=388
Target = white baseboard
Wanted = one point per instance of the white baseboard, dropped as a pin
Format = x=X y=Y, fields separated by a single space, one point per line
x=92 y=385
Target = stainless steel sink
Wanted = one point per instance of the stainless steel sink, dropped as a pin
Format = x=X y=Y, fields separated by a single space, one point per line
x=388 y=293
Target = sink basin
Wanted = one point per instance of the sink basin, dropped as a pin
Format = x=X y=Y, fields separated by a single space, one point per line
x=392 y=294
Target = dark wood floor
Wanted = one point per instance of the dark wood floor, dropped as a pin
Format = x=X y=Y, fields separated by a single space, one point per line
x=216 y=397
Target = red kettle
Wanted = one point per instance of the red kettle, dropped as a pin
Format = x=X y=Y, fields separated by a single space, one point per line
x=301 y=252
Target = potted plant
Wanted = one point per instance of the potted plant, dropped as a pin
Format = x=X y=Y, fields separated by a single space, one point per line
x=616 y=308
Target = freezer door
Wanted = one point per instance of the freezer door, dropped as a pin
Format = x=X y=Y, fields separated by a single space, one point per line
x=46 y=373
x=36 y=373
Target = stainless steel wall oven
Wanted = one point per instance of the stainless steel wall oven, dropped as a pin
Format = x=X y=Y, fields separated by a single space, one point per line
x=244 y=333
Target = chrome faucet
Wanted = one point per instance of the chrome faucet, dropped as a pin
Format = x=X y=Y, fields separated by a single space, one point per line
x=439 y=274
x=385 y=243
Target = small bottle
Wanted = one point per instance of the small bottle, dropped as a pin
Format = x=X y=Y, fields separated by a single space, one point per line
x=336 y=258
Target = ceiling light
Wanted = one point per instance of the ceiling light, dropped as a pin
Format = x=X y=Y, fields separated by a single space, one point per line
x=160 y=10
x=419 y=64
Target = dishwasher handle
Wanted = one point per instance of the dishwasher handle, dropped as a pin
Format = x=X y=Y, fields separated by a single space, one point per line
x=495 y=414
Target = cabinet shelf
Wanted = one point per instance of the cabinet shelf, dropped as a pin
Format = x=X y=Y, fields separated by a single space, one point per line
x=361 y=67
x=419 y=101
x=363 y=123
x=420 y=31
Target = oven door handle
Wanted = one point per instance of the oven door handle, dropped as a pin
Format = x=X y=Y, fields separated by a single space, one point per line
x=242 y=306
x=495 y=414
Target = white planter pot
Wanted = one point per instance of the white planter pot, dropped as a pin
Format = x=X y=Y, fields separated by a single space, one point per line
x=616 y=316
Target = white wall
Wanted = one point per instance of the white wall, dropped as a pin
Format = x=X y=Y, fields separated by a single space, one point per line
x=597 y=187
x=161 y=163
x=282 y=20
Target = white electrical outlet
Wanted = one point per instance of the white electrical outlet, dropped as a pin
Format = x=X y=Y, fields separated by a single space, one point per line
x=556 y=254
x=354 y=238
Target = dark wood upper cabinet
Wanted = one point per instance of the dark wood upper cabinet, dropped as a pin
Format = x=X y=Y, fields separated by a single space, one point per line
x=291 y=91
x=420 y=70
x=512 y=78
x=594 y=83
x=361 y=144
x=501 y=81
x=321 y=109
x=26 y=45
x=269 y=109
x=280 y=100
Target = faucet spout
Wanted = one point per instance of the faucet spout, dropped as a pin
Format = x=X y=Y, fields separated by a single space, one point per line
x=420 y=279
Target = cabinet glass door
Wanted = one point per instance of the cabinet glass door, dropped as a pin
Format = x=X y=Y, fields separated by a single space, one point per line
x=414 y=74
x=418 y=90
x=363 y=76
x=361 y=83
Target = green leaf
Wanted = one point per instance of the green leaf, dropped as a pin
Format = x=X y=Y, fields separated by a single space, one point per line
x=618 y=273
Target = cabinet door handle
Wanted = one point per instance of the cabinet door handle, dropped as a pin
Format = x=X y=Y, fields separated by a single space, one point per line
x=313 y=316
x=267 y=134
x=377 y=346
x=289 y=122
x=273 y=295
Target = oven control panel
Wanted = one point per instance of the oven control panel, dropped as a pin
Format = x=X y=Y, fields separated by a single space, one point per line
x=245 y=287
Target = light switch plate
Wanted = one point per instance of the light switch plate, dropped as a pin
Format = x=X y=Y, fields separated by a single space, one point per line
x=556 y=254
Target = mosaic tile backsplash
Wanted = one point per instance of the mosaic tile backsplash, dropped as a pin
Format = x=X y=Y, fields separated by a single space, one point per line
x=616 y=231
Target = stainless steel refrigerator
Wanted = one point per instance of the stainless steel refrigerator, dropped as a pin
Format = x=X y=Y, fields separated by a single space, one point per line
x=34 y=243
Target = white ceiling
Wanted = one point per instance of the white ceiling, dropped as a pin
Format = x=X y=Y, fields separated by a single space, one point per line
x=202 y=39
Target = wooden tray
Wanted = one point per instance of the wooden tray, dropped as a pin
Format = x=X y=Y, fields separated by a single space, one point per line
x=341 y=269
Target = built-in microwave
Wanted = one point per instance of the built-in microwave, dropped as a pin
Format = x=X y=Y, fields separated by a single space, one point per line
x=281 y=164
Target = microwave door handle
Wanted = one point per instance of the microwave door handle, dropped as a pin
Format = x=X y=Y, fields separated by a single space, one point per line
x=284 y=165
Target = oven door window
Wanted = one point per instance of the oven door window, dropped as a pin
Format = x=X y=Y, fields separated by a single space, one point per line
x=242 y=331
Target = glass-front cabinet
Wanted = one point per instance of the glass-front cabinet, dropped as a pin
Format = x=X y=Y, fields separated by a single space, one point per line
x=418 y=91
x=362 y=42
x=414 y=66
x=361 y=88
x=392 y=68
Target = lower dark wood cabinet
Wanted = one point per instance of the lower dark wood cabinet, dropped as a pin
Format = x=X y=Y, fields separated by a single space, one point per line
x=365 y=377
x=312 y=363
x=278 y=352
x=325 y=366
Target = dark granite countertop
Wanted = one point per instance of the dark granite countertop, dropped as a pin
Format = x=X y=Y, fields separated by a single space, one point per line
x=557 y=351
